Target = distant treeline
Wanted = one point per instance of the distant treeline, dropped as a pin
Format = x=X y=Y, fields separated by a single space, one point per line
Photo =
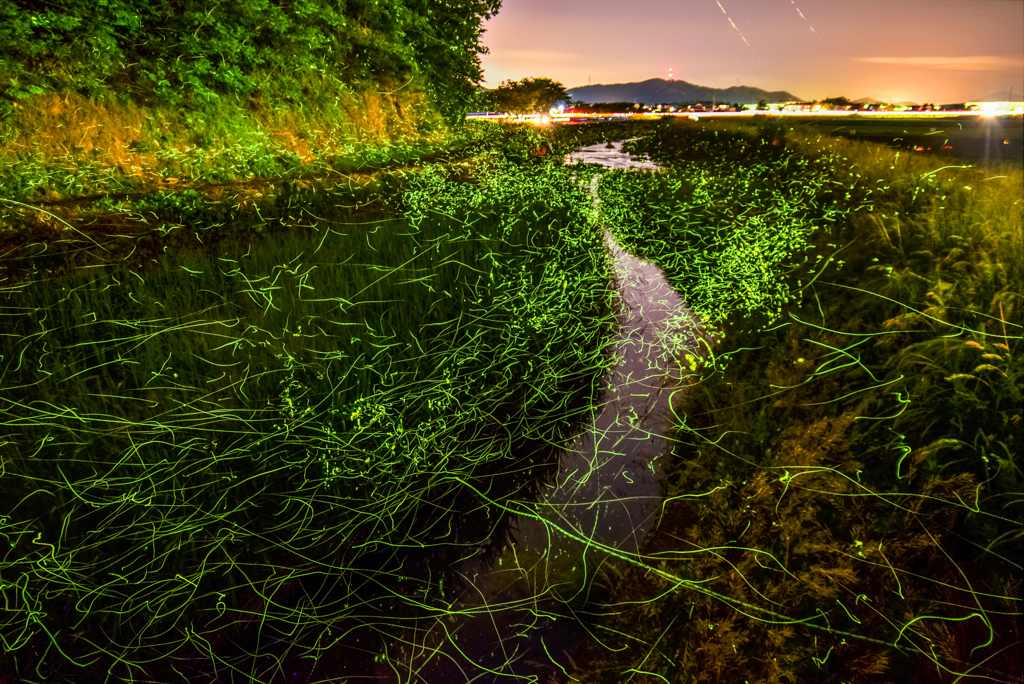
x=182 y=52
x=612 y=107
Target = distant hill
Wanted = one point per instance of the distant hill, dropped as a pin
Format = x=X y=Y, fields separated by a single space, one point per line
x=658 y=90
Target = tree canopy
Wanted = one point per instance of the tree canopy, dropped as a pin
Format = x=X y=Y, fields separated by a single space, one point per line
x=529 y=96
x=837 y=101
x=185 y=51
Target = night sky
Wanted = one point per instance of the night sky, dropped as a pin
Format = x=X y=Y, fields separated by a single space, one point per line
x=939 y=51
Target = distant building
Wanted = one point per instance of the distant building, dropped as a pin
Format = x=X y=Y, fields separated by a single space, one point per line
x=798 y=106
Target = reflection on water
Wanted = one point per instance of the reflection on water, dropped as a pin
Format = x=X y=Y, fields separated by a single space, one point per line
x=613 y=157
x=516 y=616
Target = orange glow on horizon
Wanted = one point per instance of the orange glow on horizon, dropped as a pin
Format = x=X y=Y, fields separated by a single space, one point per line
x=812 y=55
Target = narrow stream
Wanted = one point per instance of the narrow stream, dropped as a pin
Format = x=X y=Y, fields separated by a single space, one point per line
x=517 y=617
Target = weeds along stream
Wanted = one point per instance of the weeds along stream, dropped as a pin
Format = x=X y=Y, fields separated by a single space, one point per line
x=843 y=499
x=235 y=445
x=394 y=427
x=515 y=613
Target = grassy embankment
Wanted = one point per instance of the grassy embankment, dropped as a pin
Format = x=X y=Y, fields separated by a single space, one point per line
x=116 y=97
x=252 y=361
x=238 y=437
x=59 y=147
x=844 y=498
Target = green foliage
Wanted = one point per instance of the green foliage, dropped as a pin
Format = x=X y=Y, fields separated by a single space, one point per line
x=193 y=53
x=837 y=102
x=31 y=177
x=725 y=235
x=841 y=497
x=529 y=95
x=446 y=35
x=249 y=430
x=222 y=438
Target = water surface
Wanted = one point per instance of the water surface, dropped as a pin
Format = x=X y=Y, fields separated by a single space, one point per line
x=518 y=616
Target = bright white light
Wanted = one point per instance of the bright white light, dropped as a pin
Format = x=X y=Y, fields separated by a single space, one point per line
x=989 y=109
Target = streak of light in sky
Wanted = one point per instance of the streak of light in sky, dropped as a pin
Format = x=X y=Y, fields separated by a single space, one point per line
x=940 y=51
x=733 y=24
x=805 y=19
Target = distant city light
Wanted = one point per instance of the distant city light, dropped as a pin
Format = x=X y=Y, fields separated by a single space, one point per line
x=700 y=112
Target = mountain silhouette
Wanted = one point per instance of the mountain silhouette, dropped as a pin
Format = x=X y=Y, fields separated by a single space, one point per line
x=658 y=90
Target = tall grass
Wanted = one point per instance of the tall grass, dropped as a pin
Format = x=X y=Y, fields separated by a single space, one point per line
x=243 y=433
x=58 y=147
x=843 y=502
x=252 y=450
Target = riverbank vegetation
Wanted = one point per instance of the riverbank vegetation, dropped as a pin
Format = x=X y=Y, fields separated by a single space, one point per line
x=133 y=96
x=65 y=147
x=187 y=54
x=242 y=438
x=278 y=352
x=844 y=498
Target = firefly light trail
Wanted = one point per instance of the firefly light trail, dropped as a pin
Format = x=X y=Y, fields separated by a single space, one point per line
x=353 y=412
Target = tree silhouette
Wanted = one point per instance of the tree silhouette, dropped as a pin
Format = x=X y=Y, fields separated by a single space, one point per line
x=529 y=96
